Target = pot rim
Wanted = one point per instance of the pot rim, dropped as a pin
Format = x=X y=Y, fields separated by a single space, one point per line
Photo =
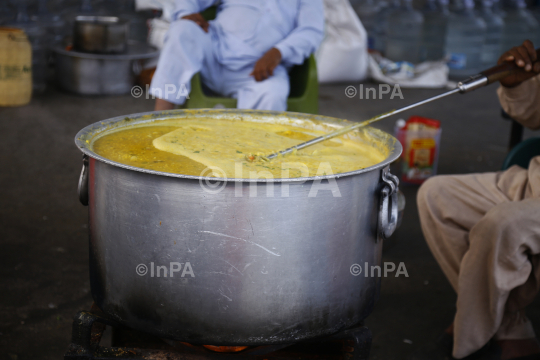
x=135 y=51
x=100 y=20
x=85 y=136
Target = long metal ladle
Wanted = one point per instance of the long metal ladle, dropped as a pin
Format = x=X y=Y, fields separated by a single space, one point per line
x=482 y=79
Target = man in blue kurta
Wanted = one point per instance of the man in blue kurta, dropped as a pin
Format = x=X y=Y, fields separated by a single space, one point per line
x=245 y=53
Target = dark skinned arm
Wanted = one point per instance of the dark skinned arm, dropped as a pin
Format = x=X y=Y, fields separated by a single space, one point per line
x=264 y=67
x=198 y=19
x=525 y=57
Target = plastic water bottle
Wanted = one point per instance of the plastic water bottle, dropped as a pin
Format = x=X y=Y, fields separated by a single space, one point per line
x=465 y=39
x=379 y=27
x=497 y=8
x=536 y=11
x=38 y=39
x=494 y=31
x=6 y=13
x=367 y=12
x=434 y=32
x=53 y=24
x=520 y=25
x=404 y=33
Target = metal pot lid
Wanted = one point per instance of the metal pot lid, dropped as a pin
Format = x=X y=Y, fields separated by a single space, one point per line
x=87 y=135
x=136 y=51
x=100 y=20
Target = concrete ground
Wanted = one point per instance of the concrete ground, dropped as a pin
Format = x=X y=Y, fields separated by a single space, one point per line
x=43 y=227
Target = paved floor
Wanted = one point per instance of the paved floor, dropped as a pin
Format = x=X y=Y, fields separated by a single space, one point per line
x=43 y=227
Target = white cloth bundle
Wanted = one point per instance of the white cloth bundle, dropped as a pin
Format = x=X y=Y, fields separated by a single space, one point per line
x=429 y=74
x=342 y=56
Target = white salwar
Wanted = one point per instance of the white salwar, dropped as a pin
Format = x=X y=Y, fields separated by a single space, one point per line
x=243 y=31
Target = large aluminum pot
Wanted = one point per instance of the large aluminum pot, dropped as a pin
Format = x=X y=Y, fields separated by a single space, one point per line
x=271 y=268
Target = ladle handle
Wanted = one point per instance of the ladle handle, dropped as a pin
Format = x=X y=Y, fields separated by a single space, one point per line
x=499 y=72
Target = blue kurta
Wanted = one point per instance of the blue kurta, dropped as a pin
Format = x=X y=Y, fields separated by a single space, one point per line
x=239 y=36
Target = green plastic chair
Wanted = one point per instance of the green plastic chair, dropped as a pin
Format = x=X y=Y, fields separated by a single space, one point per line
x=303 y=97
x=522 y=153
x=304 y=87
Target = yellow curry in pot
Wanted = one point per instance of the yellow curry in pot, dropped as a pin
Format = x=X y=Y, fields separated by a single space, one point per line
x=210 y=147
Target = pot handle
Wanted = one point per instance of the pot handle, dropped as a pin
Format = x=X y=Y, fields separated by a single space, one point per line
x=83 y=182
x=388 y=207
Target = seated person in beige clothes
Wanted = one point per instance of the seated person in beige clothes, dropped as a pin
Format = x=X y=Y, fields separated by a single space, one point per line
x=484 y=231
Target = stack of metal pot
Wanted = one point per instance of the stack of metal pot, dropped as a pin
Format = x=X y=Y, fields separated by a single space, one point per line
x=102 y=61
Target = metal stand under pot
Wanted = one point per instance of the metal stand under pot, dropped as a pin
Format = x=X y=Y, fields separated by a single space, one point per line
x=89 y=326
